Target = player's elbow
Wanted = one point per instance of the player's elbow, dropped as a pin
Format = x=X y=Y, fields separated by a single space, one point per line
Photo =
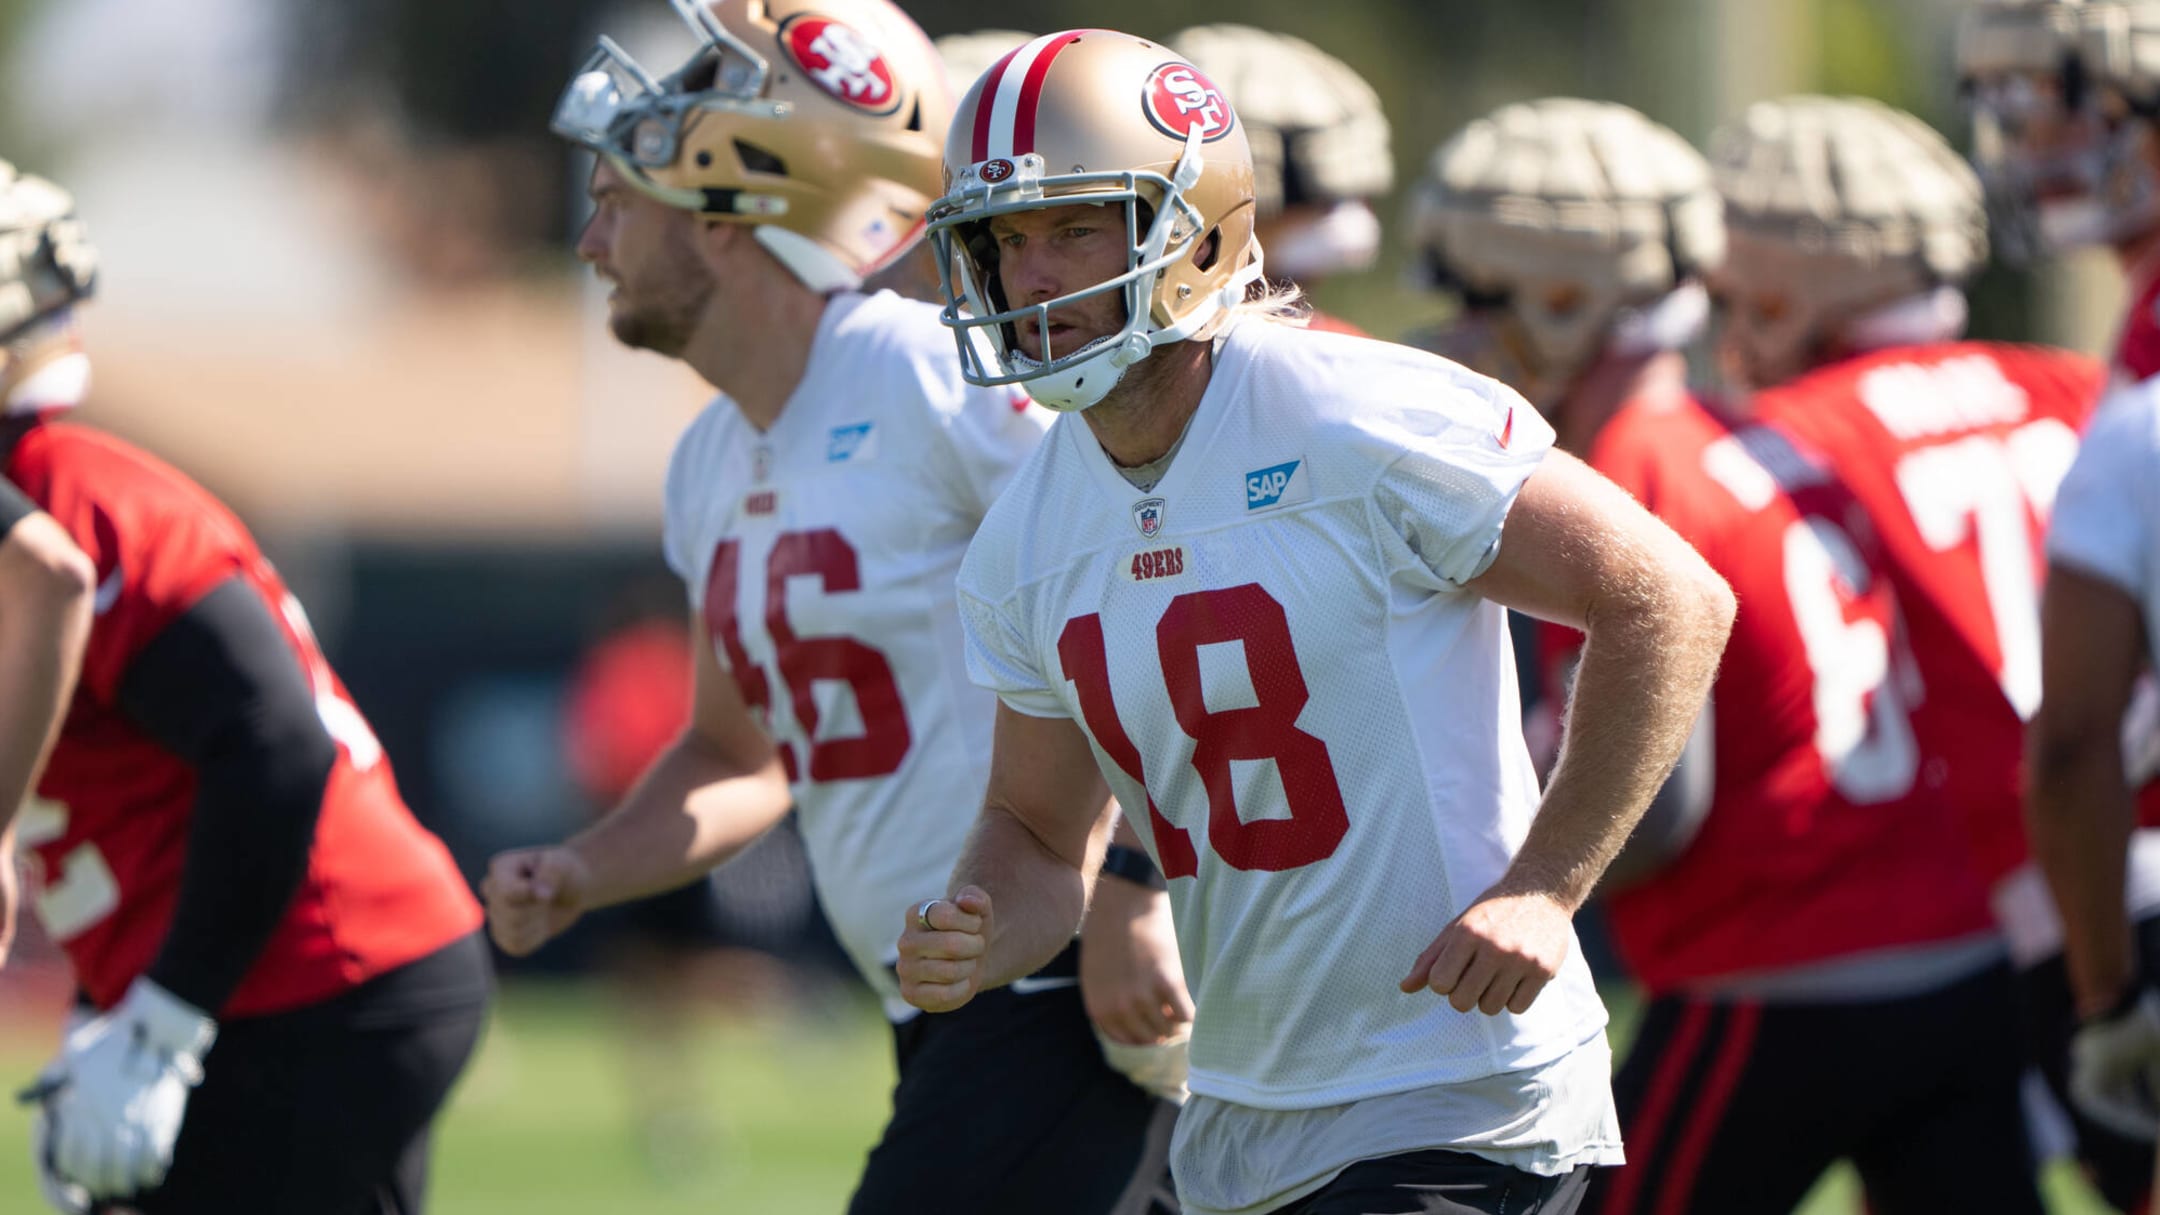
x=44 y=571
x=1698 y=605
x=2059 y=751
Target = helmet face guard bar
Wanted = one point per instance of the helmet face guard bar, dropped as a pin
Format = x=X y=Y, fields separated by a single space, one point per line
x=972 y=301
x=618 y=109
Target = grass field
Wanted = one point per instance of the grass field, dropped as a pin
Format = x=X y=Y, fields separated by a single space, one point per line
x=543 y=1122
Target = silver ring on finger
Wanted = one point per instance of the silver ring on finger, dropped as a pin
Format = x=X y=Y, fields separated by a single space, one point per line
x=922 y=913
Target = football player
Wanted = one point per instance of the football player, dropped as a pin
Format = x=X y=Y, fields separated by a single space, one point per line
x=1320 y=150
x=280 y=970
x=2099 y=616
x=1795 y=911
x=2063 y=98
x=1840 y=313
x=1254 y=581
x=817 y=512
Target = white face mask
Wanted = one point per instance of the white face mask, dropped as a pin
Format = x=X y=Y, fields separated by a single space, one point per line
x=2072 y=223
x=60 y=384
x=1346 y=238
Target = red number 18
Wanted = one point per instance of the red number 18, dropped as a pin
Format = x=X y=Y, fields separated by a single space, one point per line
x=1265 y=730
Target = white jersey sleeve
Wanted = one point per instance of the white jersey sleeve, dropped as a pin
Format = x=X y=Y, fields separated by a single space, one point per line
x=1447 y=493
x=1000 y=658
x=2104 y=523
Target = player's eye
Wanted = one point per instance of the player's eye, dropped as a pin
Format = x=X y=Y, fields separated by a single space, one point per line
x=1076 y=232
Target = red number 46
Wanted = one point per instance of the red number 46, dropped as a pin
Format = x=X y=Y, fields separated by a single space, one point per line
x=826 y=555
x=1265 y=730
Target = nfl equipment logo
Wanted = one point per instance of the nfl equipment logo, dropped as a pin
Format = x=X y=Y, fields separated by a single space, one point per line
x=760 y=462
x=1147 y=515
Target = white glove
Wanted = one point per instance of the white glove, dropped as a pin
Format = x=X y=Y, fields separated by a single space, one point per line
x=1159 y=1067
x=123 y=1083
x=2115 y=1068
x=63 y=1196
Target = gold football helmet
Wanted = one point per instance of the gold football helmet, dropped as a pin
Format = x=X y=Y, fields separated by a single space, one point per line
x=817 y=122
x=1093 y=116
x=46 y=259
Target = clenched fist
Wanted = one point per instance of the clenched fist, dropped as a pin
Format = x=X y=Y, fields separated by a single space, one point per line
x=1498 y=954
x=942 y=948
x=532 y=895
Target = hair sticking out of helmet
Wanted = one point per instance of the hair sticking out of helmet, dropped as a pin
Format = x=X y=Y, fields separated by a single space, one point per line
x=816 y=122
x=46 y=260
x=1836 y=208
x=1568 y=228
x=1102 y=118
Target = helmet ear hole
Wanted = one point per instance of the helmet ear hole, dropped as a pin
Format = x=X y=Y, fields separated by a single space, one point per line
x=757 y=160
x=1210 y=251
x=914 y=121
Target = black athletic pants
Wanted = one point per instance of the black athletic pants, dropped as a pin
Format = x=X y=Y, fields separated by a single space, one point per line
x=1005 y=1106
x=1438 y=1182
x=1737 y=1107
x=325 y=1110
x=2121 y=1168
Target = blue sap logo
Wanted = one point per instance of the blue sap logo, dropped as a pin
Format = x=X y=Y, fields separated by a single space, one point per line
x=1265 y=487
x=849 y=442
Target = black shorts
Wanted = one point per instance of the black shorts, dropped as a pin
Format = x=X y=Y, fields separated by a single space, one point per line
x=2120 y=1167
x=325 y=1110
x=1739 y=1106
x=1005 y=1105
x=1438 y=1182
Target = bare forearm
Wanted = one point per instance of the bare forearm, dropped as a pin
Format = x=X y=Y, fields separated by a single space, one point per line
x=1040 y=896
x=1645 y=672
x=692 y=811
x=2080 y=815
x=41 y=648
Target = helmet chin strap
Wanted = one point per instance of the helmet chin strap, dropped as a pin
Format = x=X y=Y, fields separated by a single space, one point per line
x=812 y=264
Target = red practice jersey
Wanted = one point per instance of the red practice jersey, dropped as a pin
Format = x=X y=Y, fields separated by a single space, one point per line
x=109 y=832
x=1817 y=845
x=1955 y=450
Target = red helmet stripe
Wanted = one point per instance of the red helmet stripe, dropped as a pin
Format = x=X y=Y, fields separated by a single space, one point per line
x=986 y=101
x=1031 y=93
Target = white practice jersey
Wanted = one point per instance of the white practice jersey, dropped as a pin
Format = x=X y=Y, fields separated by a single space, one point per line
x=1273 y=653
x=821 y=556
x=2107 y=510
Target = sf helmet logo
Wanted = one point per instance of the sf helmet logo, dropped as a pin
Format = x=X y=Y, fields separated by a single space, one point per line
x=1178 y=100
x=995 y=171
x=841 y=61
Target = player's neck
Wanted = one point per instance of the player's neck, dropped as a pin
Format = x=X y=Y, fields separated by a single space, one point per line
x=755 y=344
x=1611 y=382
x=1143 y=417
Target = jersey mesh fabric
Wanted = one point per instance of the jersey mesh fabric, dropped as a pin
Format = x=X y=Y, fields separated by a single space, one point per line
x=1820 y=842
x=820 y=555
x=1955 y=451
x=1324 y=721
x=2107 y=513
x=111 y=833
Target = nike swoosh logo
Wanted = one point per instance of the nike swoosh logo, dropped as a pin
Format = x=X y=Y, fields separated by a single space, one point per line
x=1029 y=987
x=108 y=593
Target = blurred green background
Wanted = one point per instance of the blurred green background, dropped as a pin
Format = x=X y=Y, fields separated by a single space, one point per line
x=337 y=289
